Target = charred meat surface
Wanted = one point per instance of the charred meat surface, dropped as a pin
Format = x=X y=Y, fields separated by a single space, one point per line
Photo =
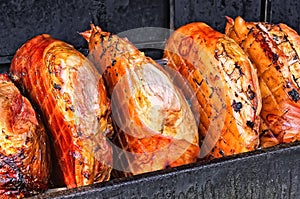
x=274 y=49
x=24 y=147
x=225 y=84
x=71 y=96
x=155 y=125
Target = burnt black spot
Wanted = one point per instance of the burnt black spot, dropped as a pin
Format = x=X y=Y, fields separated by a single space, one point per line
x=277 y=67
x=33 y=158
x=117 y=46
x=267 y=133
x=275 y=57
x=27 y=140
x=239 y=69
x=110 y=36
x=250 y=124
x=295 y=57
x=113 y=62
x=295 y=80
x=294 y=95
x=221 y=152
x=250 y=30
x=71 y=108
x=212 y=92
x=57 y=86
x=287 y=85
x=21 y=154
x=102 y=37
x=87 y=175
x=236 y=106
x=98 y=118
x=250 y=93
x=264 y=131
x=285 y=36
x=197 y=82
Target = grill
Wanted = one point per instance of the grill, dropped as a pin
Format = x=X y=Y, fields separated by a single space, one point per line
x=265 y=173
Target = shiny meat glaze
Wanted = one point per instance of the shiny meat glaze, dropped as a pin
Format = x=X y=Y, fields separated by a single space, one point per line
x=274 y=49
x=24 y=146
x=156 y=127
x=71 y=95
x=225 y=84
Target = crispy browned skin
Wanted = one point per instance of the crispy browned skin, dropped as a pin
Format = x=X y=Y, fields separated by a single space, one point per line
x=24 y=146
x=159 y=129
x=225 y=84
x=71 y=95
x=274 y=49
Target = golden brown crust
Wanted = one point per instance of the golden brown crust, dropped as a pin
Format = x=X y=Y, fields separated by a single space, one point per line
x=24 y=146
x=274 y=50
x=155 y=125
x=71 y=95
x=225 y=84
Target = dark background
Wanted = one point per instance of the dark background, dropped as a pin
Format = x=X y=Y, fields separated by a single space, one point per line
x=63 y=19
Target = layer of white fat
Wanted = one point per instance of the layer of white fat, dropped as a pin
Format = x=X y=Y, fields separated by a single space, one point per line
x=81 y=84
x=156 y=100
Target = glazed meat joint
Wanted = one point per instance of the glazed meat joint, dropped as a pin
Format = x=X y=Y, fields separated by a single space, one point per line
x=160 y=99
x=72 y=99
x=209 y=57
x=274 y=50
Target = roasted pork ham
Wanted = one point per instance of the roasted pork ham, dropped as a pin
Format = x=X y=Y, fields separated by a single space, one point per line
x=24 y=147
x=274 y=49
x=70 y=93
x=225 y=84
x=155 y=125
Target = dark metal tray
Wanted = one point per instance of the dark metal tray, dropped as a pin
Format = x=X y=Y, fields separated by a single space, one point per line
x=265 y=173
